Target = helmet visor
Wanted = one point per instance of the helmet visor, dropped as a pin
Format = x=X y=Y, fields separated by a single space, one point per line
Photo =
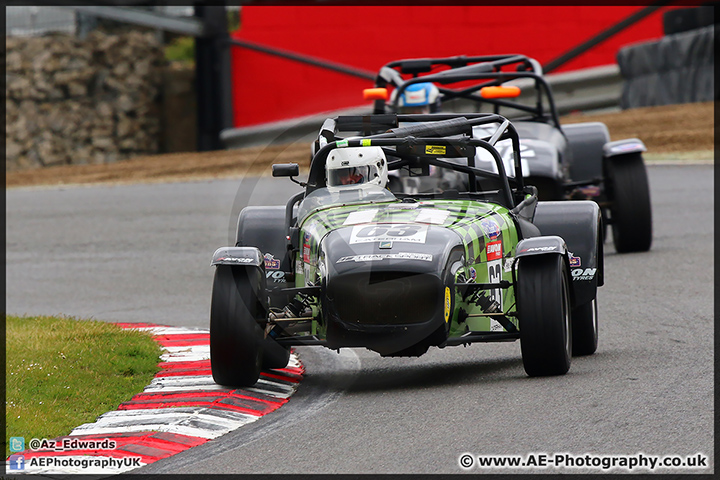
x=348 y=175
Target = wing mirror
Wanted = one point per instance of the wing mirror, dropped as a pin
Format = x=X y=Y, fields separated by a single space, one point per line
x=285 y=170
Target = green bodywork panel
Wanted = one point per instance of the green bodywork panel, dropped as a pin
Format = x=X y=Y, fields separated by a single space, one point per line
x=484 y=229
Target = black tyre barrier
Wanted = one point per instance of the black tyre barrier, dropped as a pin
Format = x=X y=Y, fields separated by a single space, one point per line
x=676 y=69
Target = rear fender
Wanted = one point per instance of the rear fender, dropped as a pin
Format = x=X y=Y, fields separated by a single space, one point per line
x=579 y=223
x=585 y=142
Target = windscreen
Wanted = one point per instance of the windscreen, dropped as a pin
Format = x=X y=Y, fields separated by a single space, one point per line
x=322 y=197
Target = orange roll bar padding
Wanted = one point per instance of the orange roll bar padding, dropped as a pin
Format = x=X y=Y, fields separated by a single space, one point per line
x=500 y=92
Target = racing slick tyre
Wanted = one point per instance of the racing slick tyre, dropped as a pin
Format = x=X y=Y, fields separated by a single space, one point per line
x=274 y=354
x=585 y=329
x=543 y=304
x=236 y=352
x=629 y=193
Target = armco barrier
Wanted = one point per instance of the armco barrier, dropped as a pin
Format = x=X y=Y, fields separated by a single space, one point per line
x=581 y=90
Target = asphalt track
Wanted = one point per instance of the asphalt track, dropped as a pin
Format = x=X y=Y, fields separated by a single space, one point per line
x=142 y=253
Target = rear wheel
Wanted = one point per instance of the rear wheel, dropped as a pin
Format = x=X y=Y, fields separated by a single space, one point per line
x=236 y=337
x=585 y=329
x=544 y=308
x=629 y=194
x=274 y=355
x=604 y=224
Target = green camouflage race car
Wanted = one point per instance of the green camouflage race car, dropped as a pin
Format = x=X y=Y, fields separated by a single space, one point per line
x=347 y=263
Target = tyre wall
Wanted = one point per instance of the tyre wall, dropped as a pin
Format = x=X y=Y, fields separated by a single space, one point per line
x=72 y=101
x=678 y=68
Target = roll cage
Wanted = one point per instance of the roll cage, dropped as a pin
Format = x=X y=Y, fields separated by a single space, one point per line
x=414 y=145
x=492 y=70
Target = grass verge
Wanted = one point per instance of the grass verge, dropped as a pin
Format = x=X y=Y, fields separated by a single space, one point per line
x=63 y=372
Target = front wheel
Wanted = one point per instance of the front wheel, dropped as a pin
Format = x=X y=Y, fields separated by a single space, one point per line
x=236 y=352
x=543 y=304
x=630 y=211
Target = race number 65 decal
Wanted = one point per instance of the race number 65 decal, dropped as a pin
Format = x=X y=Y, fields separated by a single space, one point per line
x=388 y=232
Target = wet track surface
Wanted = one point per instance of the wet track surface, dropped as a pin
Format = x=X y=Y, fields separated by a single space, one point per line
x=142 y=253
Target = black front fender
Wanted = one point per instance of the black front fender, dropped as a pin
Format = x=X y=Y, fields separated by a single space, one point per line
x=579 y=223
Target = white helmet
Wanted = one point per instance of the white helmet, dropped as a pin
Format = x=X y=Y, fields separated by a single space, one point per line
x=356 y=167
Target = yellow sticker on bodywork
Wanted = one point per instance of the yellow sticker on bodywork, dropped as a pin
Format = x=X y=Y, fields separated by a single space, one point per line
x=448 y=302
x=435 y=149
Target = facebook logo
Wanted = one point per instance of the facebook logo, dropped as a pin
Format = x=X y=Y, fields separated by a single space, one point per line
x=17 y=462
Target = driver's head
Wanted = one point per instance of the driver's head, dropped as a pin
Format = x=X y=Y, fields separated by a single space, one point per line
x=352 y=175
x=352 y=166
x=419 y=98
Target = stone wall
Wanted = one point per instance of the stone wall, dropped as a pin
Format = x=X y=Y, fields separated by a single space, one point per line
x=72 y=101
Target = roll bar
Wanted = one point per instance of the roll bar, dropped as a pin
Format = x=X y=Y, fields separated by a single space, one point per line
x=437 y=130
x=464 y=68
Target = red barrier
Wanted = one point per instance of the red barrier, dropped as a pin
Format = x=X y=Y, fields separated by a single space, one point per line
x=268 y=88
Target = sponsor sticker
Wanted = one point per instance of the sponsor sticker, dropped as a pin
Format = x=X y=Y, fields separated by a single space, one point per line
x=366 y=142
x=235 y=259
x=361 y=216
x=433 y=216
x=435 y=149
x=306 y=248
x=494 y=251
x=276 y=276
x=385 y=245
x=382 y=232
x=472 y=274
x=342 y=143
x=590 y=191
x=448 y=303
x=574 y=261
x=496 y=326
x=271 y=263
x=509 y=264
x=540 y=249
x=580 y=274
x=491 y=228
x=425 y=257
